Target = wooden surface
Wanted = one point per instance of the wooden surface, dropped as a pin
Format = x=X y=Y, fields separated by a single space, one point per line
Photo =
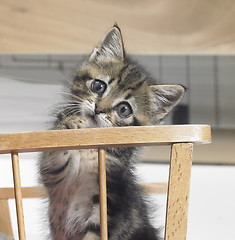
x=103 y=195
x=155 y=188
x=76 y=26
x=18 y=196
x=103 y=137
x=39 y=192
x=27 y=192
x=220 y=151
x=178 y=191
x=5 y=220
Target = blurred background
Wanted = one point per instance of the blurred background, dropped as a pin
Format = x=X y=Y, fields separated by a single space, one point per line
x=188 y=42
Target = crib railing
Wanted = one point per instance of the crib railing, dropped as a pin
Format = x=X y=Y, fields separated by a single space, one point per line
x=180 y=137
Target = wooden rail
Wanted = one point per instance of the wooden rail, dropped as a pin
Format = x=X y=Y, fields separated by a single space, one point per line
x=39 y=192
x=103 y=138
x=181 y=138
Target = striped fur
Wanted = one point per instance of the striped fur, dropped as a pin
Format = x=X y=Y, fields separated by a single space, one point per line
x=108 y=90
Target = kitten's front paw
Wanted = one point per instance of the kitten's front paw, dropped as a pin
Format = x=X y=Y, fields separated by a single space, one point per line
x=72 y=122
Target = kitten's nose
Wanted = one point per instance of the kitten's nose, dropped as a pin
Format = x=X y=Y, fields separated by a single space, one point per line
x=99 y=109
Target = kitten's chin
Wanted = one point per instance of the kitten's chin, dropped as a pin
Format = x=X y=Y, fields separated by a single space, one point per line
x=92 y=121
x=98 y=121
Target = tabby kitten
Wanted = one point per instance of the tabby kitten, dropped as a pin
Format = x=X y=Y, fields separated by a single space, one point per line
x=109 y=90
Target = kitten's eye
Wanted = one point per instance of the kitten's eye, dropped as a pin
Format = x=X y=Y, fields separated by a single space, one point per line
x=98 y=86
x=124 y=109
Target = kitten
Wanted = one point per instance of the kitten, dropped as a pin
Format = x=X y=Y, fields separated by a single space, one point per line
x=109 y=90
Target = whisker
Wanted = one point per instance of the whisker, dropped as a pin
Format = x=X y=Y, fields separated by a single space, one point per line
x=64 y=106
x=72 y=95
x=72 y=111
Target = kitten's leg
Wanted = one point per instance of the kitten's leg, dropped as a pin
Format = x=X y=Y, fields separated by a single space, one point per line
x=55 y=166
x=58 y=166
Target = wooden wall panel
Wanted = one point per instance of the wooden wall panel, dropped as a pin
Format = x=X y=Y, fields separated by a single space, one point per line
x=150 y=26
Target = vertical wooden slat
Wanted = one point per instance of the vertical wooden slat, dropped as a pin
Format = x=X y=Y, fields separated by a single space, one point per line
x=5 y=220
x=18 y=195
x=103 y=195
x=178 y=191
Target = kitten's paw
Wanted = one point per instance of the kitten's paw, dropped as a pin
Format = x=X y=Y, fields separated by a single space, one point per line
x=73 y=122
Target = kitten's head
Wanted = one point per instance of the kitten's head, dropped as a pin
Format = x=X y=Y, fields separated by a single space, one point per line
x=110 y=90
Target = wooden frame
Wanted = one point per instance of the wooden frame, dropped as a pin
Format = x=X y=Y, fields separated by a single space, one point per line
x=181 y=137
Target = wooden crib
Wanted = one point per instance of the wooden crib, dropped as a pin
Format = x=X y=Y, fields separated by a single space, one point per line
x=180 y=137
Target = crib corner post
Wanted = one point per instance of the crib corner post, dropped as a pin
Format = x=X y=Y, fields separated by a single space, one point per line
x=178 y=191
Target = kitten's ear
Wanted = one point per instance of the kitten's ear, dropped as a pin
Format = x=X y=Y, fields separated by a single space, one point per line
x=111 y=47
x=166 y=98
